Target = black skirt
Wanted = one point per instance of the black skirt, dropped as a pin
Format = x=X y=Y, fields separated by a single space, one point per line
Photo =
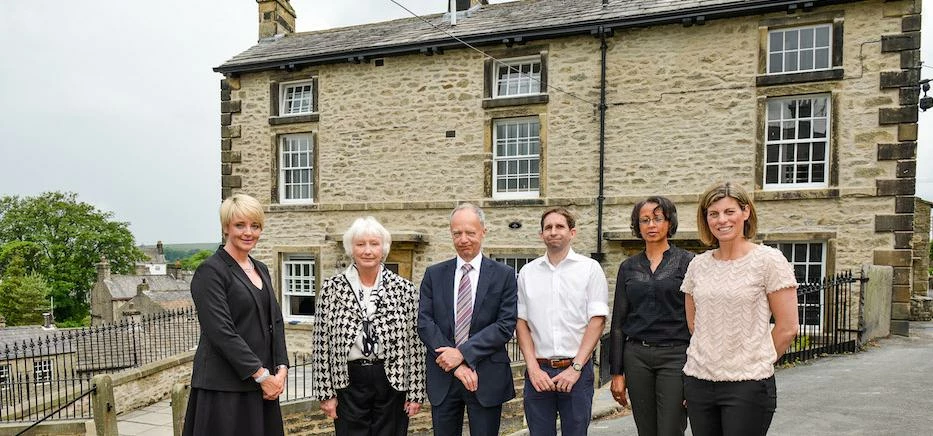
x=232 y=413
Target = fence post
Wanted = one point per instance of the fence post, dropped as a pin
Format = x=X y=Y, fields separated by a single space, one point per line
x=104 y=406
x=180 y=393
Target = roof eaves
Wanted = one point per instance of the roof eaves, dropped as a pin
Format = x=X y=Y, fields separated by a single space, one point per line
x=581 y=28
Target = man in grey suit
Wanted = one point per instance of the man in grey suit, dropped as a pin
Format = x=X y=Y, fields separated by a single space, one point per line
x=466 y=315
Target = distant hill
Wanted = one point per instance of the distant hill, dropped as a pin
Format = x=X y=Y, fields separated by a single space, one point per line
x=174 y=252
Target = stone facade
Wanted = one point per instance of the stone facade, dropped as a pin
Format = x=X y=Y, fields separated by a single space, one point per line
x=406 y=138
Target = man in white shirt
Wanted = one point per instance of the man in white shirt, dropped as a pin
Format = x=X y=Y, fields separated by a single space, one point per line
x=563 y=301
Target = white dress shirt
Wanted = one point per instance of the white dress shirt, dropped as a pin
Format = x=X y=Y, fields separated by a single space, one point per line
x=557 y=302
x=474 y=279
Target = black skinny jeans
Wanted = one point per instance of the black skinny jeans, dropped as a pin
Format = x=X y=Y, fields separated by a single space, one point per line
x=654 y=379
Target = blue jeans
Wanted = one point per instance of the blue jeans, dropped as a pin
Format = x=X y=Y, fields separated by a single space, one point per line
x=575 y=408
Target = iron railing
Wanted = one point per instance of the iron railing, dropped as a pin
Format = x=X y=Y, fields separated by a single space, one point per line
x=830 y=313
x=42 y=374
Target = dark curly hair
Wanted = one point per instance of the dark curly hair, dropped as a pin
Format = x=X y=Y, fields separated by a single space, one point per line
x=667 y=209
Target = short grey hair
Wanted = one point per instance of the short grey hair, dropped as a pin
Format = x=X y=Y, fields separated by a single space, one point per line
x=476 y=209
x=366 y=226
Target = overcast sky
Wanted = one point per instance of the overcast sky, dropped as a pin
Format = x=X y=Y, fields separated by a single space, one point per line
x=117 y=102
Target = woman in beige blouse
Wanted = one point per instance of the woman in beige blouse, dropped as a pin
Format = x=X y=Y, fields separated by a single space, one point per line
x=732 y=293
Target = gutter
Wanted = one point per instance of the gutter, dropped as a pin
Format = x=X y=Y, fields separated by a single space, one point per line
x=686 y=17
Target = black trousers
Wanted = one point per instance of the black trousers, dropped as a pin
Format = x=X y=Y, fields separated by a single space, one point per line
x=742 y=408
x=654 y=379
x=369 y=406
x=447 y=416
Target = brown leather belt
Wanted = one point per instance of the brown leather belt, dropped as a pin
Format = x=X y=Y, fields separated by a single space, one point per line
x=556 y=363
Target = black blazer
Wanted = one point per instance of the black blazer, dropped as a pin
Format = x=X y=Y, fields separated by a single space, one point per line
x=236 y=337
x=492 y=327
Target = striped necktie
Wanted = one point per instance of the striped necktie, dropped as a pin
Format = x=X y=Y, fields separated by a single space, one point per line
x=464 y=306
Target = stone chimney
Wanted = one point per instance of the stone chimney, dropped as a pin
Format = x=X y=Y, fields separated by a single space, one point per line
x=103 y=269
x=142 y=287
x=159 y=248
x=47 y=321
x=276 y=17
x=463 y=5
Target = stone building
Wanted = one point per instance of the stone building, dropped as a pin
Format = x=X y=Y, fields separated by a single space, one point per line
x=118 y=296
x=591 y=104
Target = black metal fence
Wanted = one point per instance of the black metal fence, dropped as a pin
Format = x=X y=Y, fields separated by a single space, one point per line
x=40 y=375
x=830 y=313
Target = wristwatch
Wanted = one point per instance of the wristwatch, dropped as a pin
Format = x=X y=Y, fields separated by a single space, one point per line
x=262 y=377
x=577 y=366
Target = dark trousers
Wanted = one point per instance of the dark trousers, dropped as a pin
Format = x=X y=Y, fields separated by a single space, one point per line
x=575 y=408
x=742 y=408
x=369 y=406
x=654 y=379
x=447 y=417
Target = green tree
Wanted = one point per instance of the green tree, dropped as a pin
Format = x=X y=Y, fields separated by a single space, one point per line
x=191 y=263
x=71 y=236
x=29 y=253
x=22 y=295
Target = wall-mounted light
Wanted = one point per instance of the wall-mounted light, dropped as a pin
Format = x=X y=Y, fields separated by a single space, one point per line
x=926 y=101
x=515 y=225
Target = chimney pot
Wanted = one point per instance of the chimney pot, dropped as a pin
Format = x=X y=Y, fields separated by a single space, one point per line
x=103 y=269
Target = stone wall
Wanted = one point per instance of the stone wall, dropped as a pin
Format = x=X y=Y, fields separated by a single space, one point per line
x=408 y=138
x=139 y=387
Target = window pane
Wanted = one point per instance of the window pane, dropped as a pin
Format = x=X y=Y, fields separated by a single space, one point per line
x=790 y=61
x=772 y=152
x=806 y=38
x=790 y=39
x=821 y=58
x=822 y=36
x=806 y=60
x=771 y=174
x=776 y=41
x=803 y=129
x=816 y=253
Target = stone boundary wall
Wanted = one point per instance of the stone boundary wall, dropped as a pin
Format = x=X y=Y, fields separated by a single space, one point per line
x=149 y=384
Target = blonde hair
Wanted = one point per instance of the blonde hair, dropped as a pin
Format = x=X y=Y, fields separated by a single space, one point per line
x=367 y=226
x=718 y=192
x=241 y=205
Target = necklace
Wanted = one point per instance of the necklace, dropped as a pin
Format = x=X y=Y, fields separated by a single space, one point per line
x=247 y=269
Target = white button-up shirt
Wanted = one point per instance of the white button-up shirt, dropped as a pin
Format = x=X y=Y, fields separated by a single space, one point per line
x=557 y=302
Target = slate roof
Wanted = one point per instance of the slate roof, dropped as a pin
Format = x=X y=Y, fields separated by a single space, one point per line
x=525 y=19
x=33 y=340
x=124 y=286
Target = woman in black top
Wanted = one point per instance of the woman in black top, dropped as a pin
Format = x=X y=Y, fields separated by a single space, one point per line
x=649 y=336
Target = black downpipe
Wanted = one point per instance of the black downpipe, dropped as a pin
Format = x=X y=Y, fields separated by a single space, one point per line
x=600 y=198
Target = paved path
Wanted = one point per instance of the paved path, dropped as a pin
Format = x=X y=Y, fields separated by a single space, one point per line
x=155 y=420
x=885 y=390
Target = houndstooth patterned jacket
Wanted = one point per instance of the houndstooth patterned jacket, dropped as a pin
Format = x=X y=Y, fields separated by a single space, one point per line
x=337 y=323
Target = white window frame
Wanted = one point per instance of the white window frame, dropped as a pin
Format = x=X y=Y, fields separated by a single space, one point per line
x=807 y=263
x=304 y=100
x=530 y=159
x=292 y=166
x=515 y=78
x=516 y=261
x=6 y=376
x=43 y=367
x=307 y=284
x=805 y=50
x=795 y=153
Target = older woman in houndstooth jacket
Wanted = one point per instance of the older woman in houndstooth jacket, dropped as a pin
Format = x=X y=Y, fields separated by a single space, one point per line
x=368 y=365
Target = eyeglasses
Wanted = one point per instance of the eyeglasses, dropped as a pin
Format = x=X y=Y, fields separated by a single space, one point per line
x=657 y=220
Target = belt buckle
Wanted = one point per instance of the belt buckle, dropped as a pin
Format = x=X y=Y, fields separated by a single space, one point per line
x=555 y=363
x=366 y=362
x=645 y=343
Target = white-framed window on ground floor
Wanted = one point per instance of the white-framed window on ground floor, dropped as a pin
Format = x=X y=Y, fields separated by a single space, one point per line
x=6 y=377
x=809 y=262
x=298 y=287
x=515 y=261
x=42 y=371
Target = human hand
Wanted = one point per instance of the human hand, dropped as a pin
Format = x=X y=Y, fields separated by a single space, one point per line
x=448 y=358
x=540 y=380
x=272 y=387
x=329 y=407
x=564 y=381
x=617 y=387
x=468 y=377
x=412 y=409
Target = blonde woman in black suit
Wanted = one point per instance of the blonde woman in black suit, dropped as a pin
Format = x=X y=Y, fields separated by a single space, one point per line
x=241 y=362
x=367 y=360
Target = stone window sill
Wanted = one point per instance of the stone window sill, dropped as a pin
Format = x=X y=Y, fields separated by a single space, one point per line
x=294 y=119
x=808 y=76
x=490 y=103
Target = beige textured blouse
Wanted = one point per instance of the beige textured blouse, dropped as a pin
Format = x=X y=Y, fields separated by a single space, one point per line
x=732 y=331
